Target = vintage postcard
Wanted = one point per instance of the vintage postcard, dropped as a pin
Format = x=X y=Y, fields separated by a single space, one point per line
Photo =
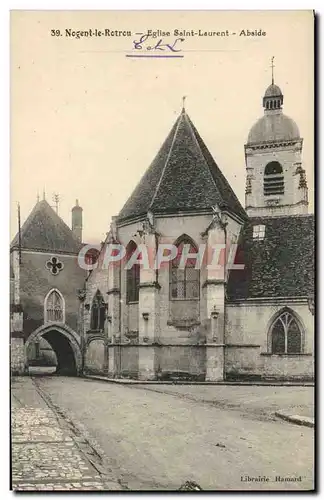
x=162 y=250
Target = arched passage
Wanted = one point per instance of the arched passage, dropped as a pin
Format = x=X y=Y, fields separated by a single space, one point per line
x=64 y=342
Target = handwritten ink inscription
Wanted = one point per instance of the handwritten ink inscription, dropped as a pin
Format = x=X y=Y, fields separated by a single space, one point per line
x=146 y=42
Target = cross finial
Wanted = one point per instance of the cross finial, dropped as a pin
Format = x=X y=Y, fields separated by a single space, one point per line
x=272 y=67
x=183 y=102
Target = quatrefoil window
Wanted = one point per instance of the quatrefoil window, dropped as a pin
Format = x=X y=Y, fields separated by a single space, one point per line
x=54 y=265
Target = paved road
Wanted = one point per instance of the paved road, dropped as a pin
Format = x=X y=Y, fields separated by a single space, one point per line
x=159 y=440
x=48 y=453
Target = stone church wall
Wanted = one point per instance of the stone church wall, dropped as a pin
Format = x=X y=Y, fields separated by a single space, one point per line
x=36 y=281
x=182 y=360
x=248 y=353
x=95 y=357
x=17 y=356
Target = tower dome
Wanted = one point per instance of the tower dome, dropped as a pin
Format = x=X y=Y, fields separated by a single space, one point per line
x=273 y=91
x=274 y=126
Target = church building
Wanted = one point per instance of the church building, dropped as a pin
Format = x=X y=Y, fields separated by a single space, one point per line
x=249 y=318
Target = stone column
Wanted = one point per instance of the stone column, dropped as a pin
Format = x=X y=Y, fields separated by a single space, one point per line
x=86 y=308
x=215 y=297
x=113 y=323
x=81 y=325
x=106 y=344
x=148 y=309
x=18 y=359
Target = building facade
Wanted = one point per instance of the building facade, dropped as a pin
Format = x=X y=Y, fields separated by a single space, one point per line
x=250 y=316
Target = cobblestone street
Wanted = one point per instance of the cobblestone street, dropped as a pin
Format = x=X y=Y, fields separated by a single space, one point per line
x=154 y=440
x=45 y=454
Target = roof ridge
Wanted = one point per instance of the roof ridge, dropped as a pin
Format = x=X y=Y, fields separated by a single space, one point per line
x=214 y=164
x=199 y=148
x=166 y=161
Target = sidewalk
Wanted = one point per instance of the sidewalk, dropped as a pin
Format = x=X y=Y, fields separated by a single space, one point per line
x=289 y=416
x=46 y=455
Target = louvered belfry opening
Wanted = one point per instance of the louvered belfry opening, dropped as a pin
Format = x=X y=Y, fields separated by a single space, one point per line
x=273 y=179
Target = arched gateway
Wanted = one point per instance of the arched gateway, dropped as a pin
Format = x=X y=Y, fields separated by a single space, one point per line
x=64 y=342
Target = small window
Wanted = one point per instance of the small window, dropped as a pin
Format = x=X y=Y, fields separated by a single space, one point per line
x=54 y=307
x=132 y=276
x=98 y=309
x=258 y=232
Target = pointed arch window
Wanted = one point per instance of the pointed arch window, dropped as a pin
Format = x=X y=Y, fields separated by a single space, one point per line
x=98 y=312
x=132 y=276
x=184 y=280
x=273 y=182
x=54 y=307
x=286 y=335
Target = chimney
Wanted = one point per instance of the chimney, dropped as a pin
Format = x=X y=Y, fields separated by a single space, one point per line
x=77 y=221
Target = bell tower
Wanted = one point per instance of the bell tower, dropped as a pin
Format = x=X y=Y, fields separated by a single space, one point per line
x=275 y=179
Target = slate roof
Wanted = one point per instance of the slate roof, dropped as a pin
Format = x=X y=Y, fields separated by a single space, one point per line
x=45 y=230
x=182 y=177
x=282 y=265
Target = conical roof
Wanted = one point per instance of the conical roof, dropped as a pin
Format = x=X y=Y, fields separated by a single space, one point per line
x=182 y=177
x=45 y=230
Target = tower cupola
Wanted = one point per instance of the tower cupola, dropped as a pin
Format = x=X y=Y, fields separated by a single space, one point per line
x=275 y=181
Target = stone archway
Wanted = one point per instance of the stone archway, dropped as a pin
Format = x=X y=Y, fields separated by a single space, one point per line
x=65 y=343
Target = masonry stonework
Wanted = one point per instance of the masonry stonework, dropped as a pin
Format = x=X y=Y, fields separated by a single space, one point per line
x=216 y=325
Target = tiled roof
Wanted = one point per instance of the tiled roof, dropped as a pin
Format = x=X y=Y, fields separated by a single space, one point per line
x=45 y=230
x=182 y=177
x=281 y=265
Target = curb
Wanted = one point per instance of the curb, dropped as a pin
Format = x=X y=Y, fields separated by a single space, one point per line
x=296 y=419
x=175 y=382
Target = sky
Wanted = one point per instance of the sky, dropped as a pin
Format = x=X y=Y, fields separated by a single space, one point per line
x=87 y=121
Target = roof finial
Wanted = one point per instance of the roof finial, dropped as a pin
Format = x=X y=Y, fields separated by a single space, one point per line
x=56 y=199
x=43 y=193
x=37 y=196
x=183 y=102
x=272 y=66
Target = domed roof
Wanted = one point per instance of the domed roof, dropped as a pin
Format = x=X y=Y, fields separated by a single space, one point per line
x=273 y=91
x=273 y=127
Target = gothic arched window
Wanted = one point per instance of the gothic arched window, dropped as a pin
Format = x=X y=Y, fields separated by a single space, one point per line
x=54 y=307
x=273 y=182
x=98 y=308
x=132 y=276
x=286 y=336
x=184 y=280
